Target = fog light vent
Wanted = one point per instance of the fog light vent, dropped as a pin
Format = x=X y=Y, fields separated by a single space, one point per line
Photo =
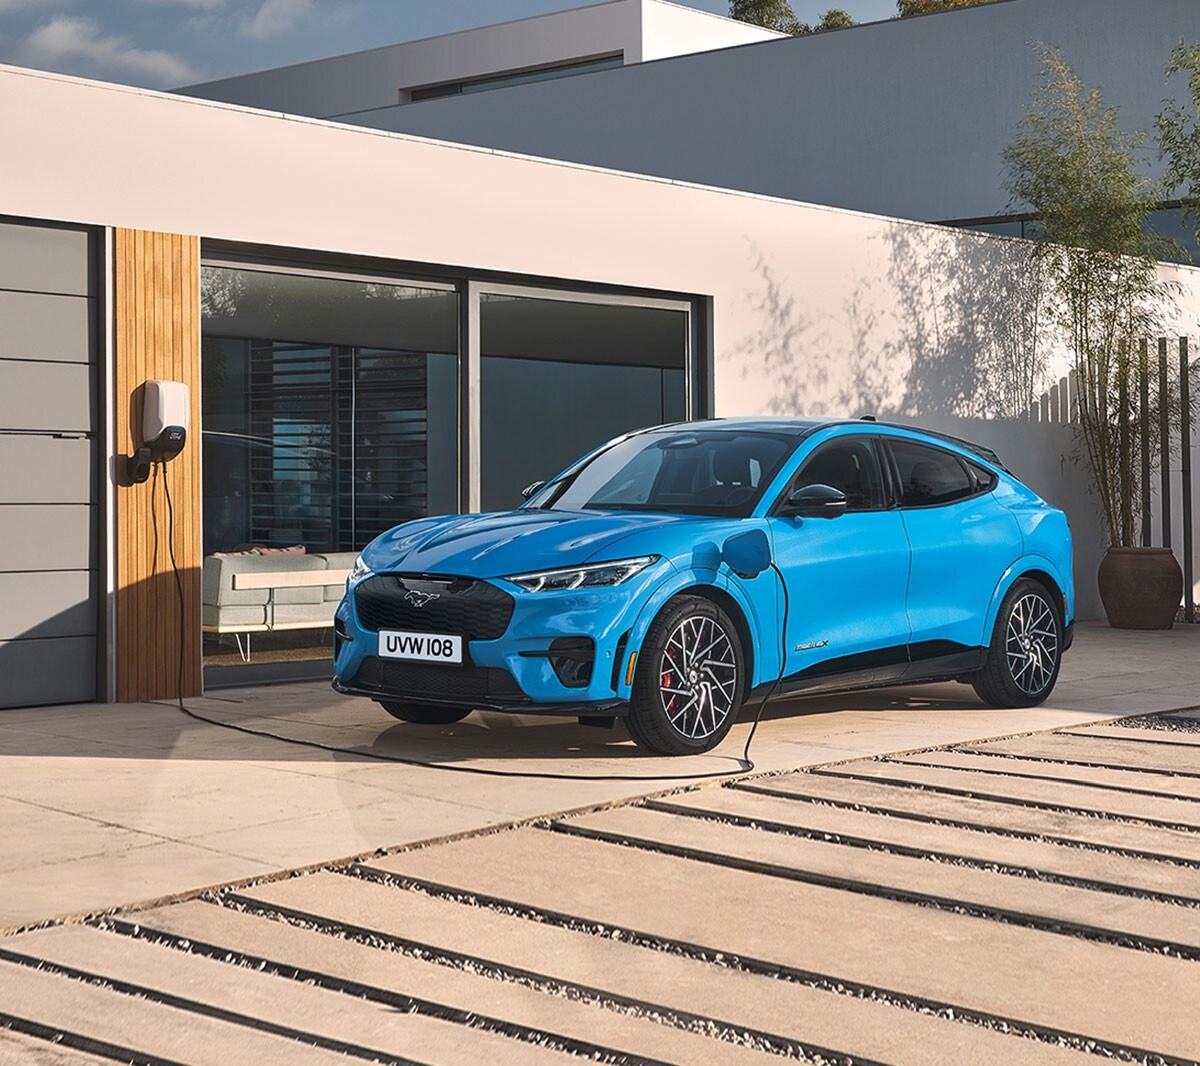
x=572 y=659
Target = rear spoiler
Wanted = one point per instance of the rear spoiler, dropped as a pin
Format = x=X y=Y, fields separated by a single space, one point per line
x=985 y=454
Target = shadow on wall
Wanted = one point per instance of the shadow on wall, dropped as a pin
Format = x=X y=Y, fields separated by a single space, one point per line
x=53 y=654
x=947 y=330
x=953 y=324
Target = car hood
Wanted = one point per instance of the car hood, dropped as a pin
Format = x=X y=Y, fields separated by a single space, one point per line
x=515 y=542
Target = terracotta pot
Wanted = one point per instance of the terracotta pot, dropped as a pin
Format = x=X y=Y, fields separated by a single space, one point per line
x=1141 y=588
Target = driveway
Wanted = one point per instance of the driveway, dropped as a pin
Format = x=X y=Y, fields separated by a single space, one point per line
x=1035 y=899
x=112 y=806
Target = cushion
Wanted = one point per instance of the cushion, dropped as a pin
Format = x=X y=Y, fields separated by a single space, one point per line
x=233 y=616
x=217 y=579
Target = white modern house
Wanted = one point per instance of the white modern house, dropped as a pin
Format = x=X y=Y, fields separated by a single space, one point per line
x=581 y=40
x=905 y=117
x=427 y=326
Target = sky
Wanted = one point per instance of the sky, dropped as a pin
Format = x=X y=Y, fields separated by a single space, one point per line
x=168 y=43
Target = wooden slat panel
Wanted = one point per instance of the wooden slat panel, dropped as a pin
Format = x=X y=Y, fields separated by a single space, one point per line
x=156 y=299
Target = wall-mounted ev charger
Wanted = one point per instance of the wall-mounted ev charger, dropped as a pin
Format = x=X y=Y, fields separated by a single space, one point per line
x=164 y=427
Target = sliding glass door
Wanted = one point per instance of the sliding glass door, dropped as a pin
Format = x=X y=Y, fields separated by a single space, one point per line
x=558 y=376
x=337 y=406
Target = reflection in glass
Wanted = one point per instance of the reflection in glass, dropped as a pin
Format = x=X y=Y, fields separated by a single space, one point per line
x=559 y=378
x=330 y=414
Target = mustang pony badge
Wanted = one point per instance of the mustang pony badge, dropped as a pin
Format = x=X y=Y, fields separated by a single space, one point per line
x=419 y=599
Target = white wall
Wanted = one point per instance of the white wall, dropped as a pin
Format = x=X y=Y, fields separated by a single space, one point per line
x=673 y=30
x=816 y=310
x=382 y=77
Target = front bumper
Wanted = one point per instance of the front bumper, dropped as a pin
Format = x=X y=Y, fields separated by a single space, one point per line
x=514 y=671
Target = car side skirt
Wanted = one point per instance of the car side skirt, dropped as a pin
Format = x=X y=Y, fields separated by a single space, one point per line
x=902 y=664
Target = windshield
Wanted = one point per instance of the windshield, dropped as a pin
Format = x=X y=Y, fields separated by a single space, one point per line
x=705 y=472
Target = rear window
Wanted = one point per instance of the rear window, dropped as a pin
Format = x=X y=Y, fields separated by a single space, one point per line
x=929 y=476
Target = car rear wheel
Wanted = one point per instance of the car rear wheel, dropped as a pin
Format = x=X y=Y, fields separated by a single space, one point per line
x=1026 y=650
x=425 y=713
x=689 y=681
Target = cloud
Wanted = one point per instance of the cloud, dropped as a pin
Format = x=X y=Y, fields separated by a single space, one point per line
x=66 y=38
x=20 y=5
x=277 y=16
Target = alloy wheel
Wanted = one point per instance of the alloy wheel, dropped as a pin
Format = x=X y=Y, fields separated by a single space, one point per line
x=1031 y=643
x=698 y=677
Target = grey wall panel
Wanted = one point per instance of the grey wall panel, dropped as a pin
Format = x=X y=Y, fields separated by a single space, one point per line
x=34 y=325
x=47 y=538
x=54 y=603
x=43 y=259
x=46 y=469
x=47 y=671
x=50 y=396
x=907 y=117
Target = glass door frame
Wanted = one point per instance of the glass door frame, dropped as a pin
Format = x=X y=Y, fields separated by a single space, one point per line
x=698 y=359
x=471 y=293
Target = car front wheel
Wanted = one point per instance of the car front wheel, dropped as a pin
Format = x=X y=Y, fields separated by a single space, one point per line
x=425 y=713
x=689 y=680
x=1026 y=650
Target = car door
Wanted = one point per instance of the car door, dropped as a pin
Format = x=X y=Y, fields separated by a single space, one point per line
x=845 y=577
x=962 y=542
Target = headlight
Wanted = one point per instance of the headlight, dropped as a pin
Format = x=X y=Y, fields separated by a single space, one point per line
x=360 y=571
x=591 y=576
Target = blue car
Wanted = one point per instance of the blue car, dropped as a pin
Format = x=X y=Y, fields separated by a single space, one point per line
x=679 y=572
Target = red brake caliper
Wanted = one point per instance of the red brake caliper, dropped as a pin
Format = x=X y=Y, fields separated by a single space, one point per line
x=666 y=681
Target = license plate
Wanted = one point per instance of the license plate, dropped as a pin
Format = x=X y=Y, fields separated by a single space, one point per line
x=422 y=647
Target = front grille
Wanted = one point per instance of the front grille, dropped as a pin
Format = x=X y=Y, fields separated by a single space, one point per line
x=453 y=684
x=462 y=605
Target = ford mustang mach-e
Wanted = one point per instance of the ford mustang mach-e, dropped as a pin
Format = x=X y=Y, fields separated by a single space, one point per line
x=678 y=572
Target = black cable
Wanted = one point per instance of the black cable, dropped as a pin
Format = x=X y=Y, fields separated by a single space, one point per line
x=178 y=579
x=774 y=689
x=747 y=765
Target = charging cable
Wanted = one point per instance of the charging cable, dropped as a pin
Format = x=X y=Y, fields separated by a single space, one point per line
x=747 y=764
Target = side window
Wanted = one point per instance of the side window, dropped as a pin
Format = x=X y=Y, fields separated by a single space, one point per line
x=930 y=476
x=851 y=467
x=985 y=480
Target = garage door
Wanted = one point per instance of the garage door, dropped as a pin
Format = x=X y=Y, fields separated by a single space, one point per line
x=48 y=447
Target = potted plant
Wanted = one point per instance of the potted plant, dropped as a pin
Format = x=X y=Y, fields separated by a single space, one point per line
x=1074 y=168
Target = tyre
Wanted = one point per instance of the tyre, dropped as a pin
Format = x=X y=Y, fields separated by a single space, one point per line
x=425 y=713
x=689 y=681
x=1025 y=654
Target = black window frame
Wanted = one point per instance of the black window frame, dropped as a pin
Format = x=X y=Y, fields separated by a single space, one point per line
x=968 y=467
x=887 y=481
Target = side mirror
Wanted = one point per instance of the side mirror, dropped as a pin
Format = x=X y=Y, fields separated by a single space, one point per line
x=747 y=554
x=815 y=501
x=529 y=490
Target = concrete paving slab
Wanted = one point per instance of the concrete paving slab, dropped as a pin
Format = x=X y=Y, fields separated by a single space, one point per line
x=150 y=1030
x=296 y=1006
x=1005 y=970
x=101 y=882
x=507 y=1001
x=1122 y=754
x=1102 y=776
x=33 y=1051
x=36 y=836
x=1167 y=812
x=1148 y=840
x=1062 y=906
x=1142 y=736
x=861 y=1028
x=1101 y=867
